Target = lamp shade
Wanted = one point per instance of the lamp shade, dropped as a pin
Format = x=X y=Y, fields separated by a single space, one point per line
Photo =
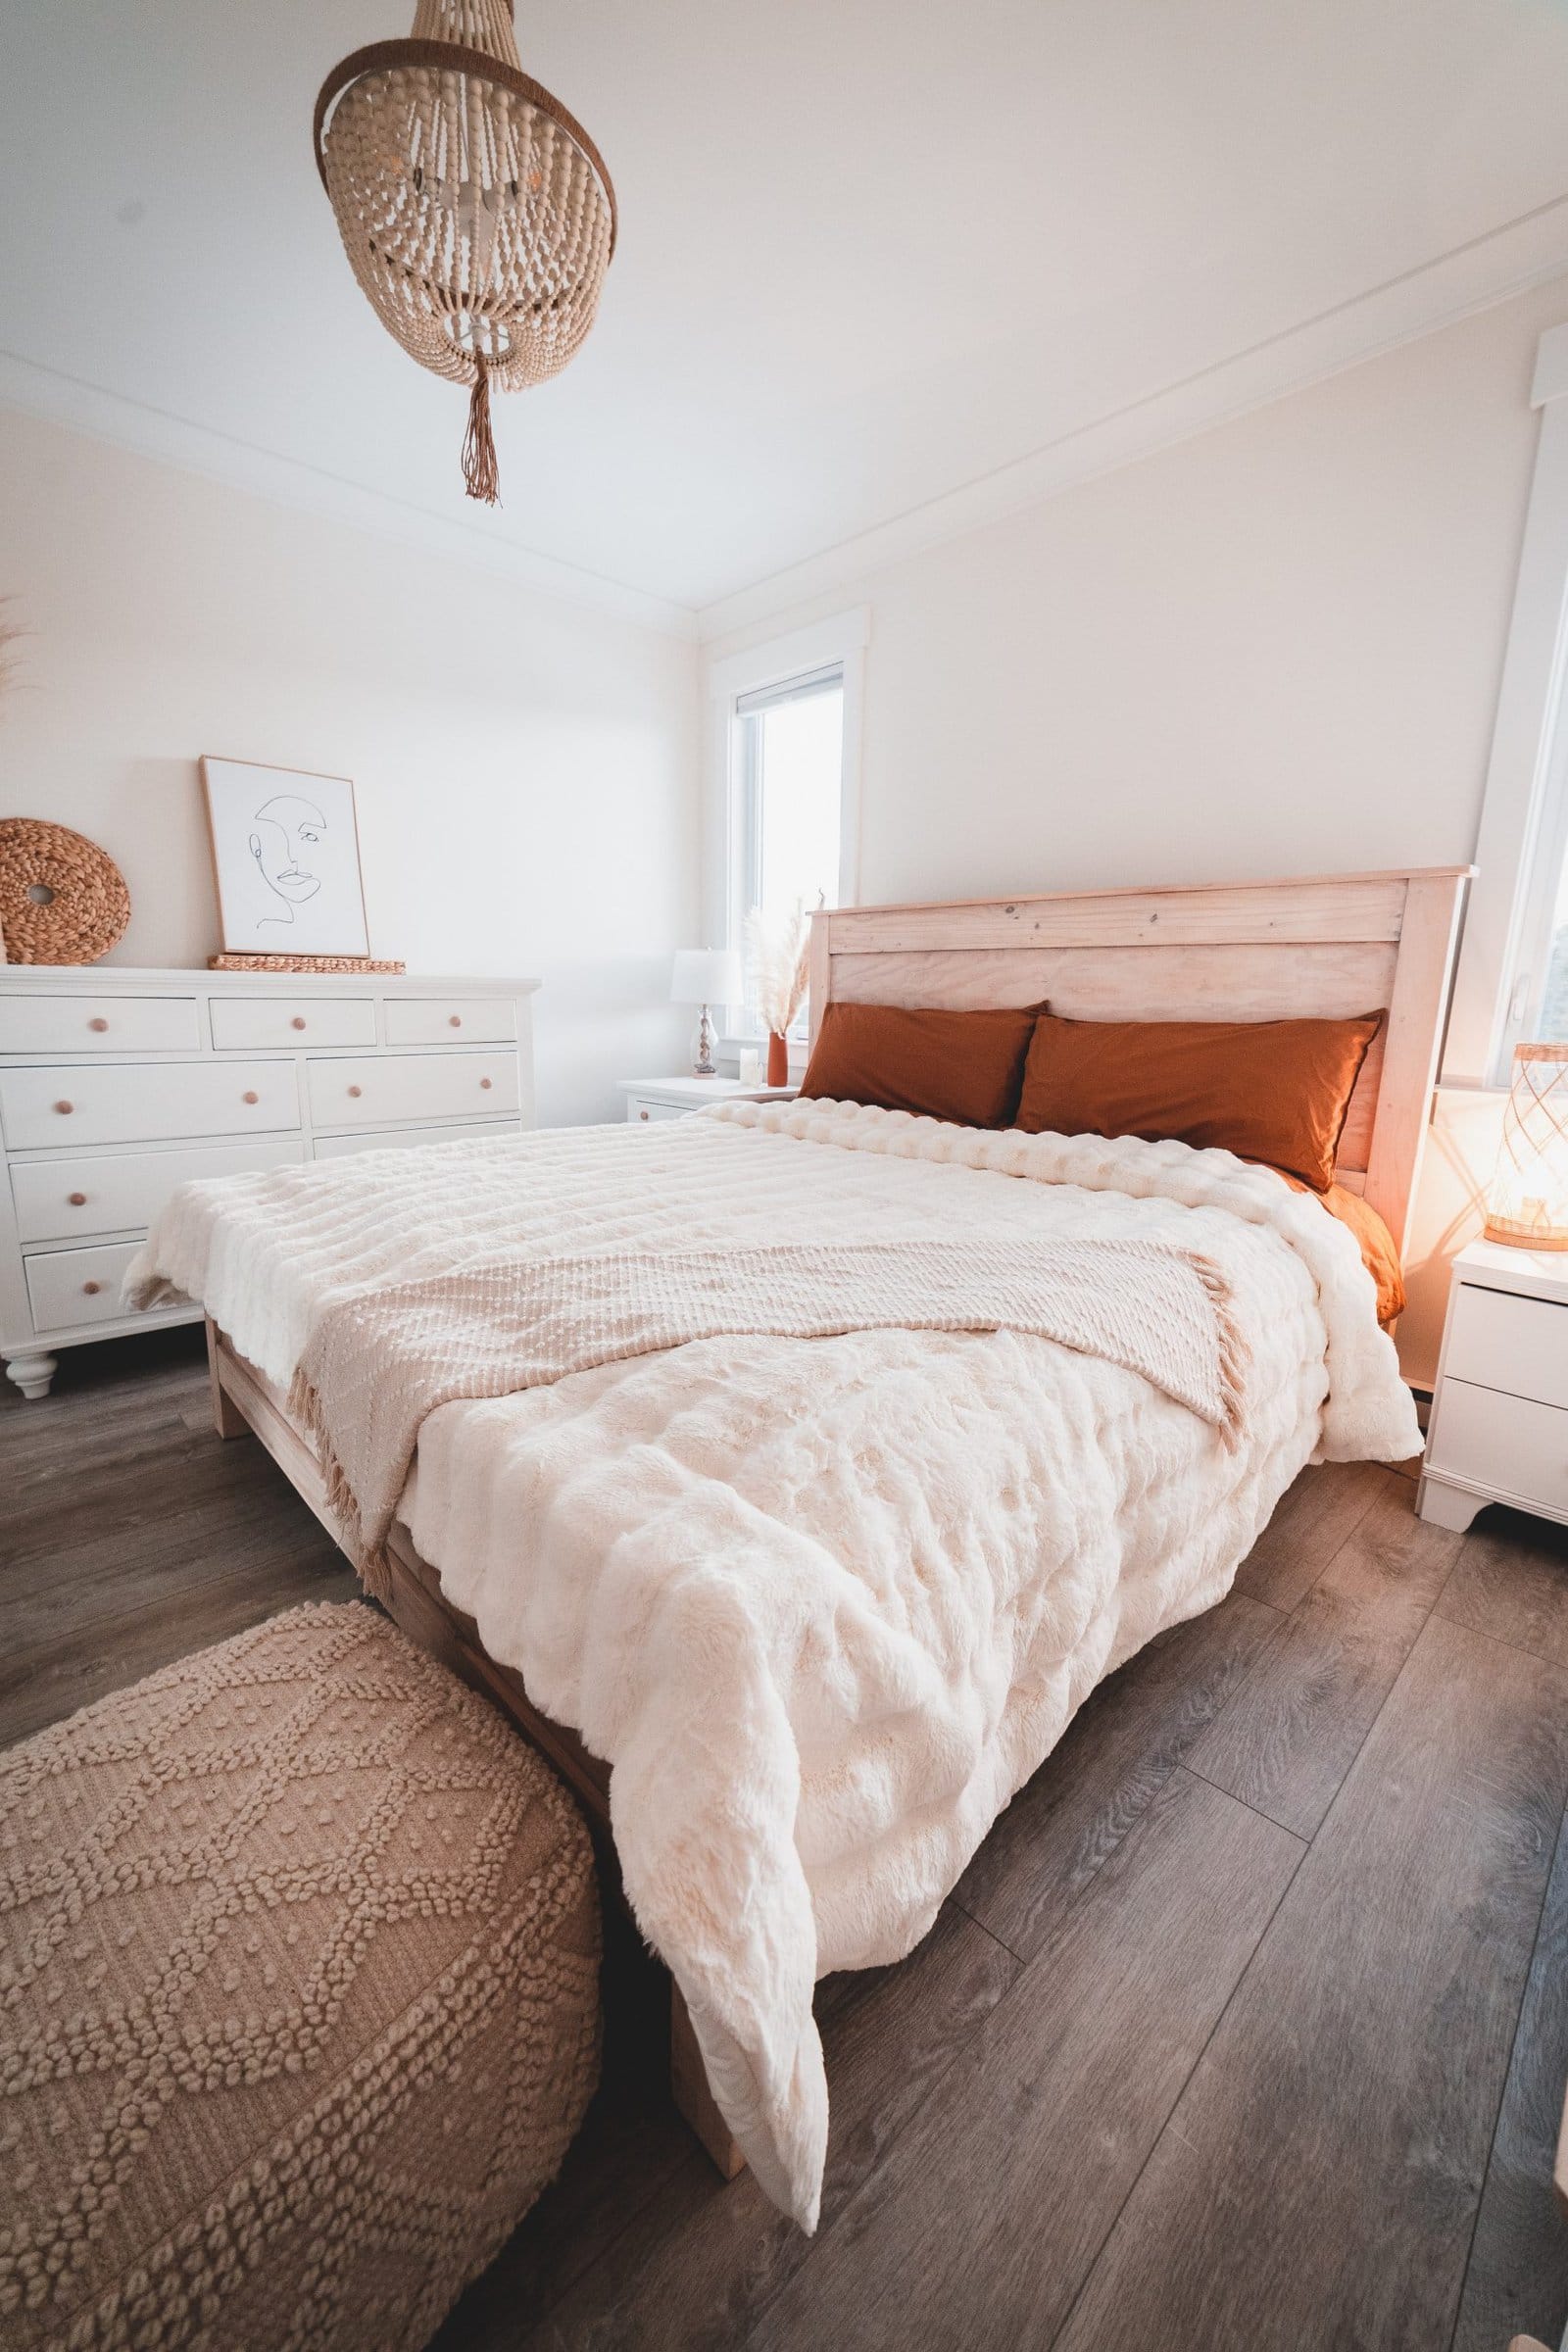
x=1528 y=1203
x=706 y=976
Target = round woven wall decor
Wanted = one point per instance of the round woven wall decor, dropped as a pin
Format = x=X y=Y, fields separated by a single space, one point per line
x=63 y=900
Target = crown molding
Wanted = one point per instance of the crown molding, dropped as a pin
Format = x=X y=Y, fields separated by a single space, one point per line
x=170 y=440
x=1475 y=276
x=1472 y=277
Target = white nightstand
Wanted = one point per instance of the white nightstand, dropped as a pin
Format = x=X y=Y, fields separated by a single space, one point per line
x=674 y=1097
x=1500 y=1417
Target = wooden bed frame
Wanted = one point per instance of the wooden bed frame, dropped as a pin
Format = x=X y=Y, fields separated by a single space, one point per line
x=1252 y=951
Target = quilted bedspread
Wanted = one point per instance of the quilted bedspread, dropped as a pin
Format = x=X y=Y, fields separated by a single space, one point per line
x=824 y=1604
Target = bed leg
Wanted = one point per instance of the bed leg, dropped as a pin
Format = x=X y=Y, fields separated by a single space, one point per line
x=688 y=2085
x=228 y=1419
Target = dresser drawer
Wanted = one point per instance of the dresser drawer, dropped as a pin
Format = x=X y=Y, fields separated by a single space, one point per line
x=1501 y=1341
x=394 y=1086
x=70 y=1024
x=68 y=1288
x=1506 y=1444
x=58 y=1200
x=451 y=1022
x=408 y=1139
x=642 y=1110
x=129 y=1103
x=253 y=1023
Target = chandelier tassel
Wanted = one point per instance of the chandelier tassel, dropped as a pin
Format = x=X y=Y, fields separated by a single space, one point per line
x=481 y=471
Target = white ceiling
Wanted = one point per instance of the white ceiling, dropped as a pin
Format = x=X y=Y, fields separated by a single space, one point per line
x=870 y=253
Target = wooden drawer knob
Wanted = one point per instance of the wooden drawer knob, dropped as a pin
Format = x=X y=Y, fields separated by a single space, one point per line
x=64 y=1109
x=454 y=1020
x=298 y=1022
x=98 y=1022
x=355 y=1091
x=92 y=1289
x=486 y=1083
x=250 y=1096
x=77 y=1199
x=642 y=1114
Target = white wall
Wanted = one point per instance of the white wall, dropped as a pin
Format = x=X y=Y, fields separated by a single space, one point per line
x=525 y=768
x=1273 y=649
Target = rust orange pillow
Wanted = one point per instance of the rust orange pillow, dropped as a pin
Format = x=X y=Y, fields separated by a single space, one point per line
x=1276 y=1091
x=963 y=1066
x=1379 y=1251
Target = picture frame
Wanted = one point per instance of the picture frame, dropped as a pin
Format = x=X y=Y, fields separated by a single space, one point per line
x=285 y=844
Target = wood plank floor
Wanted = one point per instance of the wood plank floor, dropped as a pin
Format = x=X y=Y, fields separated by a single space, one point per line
x=1246 y=2027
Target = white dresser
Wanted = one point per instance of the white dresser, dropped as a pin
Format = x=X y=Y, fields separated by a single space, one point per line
x=1498 y=1430
x=116 y=1086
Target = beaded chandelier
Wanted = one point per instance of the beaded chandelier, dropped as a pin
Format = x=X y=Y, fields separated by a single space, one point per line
x=477 y=215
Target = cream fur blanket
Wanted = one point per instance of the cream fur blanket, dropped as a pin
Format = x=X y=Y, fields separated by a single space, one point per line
x=824 y=1605
x=379 y=1361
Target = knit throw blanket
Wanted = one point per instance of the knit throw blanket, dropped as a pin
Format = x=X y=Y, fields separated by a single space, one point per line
x=381 y=1359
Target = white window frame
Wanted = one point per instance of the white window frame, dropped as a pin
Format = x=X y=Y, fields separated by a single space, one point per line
x=840 y=643
x=1524 y=817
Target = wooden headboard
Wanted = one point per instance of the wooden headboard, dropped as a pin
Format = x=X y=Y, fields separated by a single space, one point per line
x=1236 y=951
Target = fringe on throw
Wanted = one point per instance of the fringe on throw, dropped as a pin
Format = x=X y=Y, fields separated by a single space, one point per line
x=1235 y=1354
x=370 y=1563
x=481 y=468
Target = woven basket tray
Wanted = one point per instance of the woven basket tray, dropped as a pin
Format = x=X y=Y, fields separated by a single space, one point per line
x=301 y=963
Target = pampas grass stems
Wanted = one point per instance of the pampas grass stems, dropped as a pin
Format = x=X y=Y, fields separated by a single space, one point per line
x=780 y=957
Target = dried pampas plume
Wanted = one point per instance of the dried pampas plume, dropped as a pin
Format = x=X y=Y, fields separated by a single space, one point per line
x=780 y=957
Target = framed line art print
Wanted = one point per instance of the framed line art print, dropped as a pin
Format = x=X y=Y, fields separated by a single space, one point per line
x=286 y=856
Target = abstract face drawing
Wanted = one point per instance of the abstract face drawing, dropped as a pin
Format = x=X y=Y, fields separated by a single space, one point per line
x=286 y=846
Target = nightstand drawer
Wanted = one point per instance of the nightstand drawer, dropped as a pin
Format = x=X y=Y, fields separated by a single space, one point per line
x=1503 y=1443
x=641 y=1109
x=1501 y=1340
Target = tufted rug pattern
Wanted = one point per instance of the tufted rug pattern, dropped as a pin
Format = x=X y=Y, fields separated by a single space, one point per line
x=299 y=2006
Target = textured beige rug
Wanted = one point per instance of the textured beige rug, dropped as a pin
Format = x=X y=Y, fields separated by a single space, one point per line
x=298 y=1998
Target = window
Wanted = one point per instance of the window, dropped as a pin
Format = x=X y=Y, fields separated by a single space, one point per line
x=1537 y=1007
x=1550 y=1024
x=783 y=802
x=1512 y=984
x=789 y=754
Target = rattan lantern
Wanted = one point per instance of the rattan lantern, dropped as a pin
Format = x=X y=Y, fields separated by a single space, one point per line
x=477 y=214
x=1528 y=1203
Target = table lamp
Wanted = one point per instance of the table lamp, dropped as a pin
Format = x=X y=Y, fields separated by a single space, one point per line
x=706 y=976
x=1527 y=1204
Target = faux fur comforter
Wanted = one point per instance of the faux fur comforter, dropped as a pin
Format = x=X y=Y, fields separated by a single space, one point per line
x=824 y=1604
x=381 y=1361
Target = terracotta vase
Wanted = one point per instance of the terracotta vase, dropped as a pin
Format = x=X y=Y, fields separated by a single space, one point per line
x=778 y=1060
